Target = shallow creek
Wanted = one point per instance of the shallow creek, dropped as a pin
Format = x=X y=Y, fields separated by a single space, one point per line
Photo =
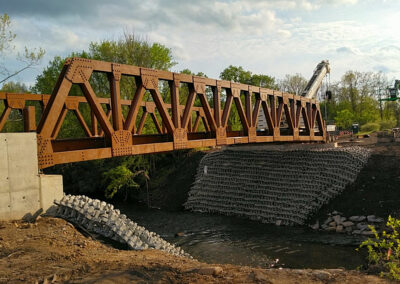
x=222 y=239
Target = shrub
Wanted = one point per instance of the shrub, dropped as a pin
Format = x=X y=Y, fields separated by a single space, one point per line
x=384 y=250
x=370 y=127
x=344 y=119
x=387 y=124
x=119 y=177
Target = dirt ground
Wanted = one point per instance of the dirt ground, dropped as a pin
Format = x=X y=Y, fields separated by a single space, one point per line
x=54 y=251
x=376 y=191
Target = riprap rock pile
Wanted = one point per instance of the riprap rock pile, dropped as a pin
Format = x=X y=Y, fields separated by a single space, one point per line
x=356 y=225
x=100 y=217
x=282 y=187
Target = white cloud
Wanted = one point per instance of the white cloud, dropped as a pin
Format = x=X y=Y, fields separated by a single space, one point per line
x=342 y=2
x=272 y=37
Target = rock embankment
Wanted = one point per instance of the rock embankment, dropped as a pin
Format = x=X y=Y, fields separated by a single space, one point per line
x=100 y=217
x=282 y=187
x=355 y=225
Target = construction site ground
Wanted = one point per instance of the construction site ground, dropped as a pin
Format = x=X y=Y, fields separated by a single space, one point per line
x=376 y=190
x=54 y=251
x=51 y=250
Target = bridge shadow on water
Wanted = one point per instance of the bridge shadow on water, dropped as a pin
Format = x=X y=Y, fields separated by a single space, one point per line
x=233 y=240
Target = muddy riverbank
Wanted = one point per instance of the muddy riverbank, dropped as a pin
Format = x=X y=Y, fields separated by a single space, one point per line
x=53 y=250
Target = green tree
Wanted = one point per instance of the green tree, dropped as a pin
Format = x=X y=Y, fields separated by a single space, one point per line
x=331 y=108
x=236 y=74
x=294 y=84
x=239 y=75
x=6 y=35
x=127 y=50
x=14 y=87
x=15 y=119
x=131 y=49
x=184 y=92
x=122 y=178
x=117 y=176
x=46 y=81
x=358 y=93
x=369 y=110
x=344 y=119
x=188 y=72
x=391 y=111
x=264 y=81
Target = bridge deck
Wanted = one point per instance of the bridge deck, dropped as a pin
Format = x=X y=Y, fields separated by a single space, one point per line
x=113 y=126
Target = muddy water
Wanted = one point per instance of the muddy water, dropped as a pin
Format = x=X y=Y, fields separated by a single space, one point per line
x=222 y=239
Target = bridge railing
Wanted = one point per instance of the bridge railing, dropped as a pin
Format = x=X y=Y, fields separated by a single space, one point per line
x=29 y=113
x=115 y=128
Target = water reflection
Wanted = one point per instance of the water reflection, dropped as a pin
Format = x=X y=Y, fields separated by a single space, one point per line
x=222 y=239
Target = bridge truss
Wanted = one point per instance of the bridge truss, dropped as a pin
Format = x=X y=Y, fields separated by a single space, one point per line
x=115 y=125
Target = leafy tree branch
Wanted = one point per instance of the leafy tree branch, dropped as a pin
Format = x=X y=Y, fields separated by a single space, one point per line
x=29 y=58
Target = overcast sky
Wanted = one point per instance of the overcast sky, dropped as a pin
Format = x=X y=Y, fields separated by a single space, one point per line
x=274 y=37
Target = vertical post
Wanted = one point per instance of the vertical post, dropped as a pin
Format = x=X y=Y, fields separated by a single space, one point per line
x=249 y=107
x=116 y=108
x=29 y=119
x=217 y=104
x=176 y=112
x=95 y=130
x=272 y=103
x=189 y=124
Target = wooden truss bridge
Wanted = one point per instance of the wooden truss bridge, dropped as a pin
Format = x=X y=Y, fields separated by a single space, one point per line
x=114 y=126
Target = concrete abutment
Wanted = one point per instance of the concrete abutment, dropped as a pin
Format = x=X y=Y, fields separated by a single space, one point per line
x=24 y=192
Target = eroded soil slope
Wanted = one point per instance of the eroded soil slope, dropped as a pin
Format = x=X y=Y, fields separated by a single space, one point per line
x=376 y=191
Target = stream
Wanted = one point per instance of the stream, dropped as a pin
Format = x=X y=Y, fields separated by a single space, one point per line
x=233 y=240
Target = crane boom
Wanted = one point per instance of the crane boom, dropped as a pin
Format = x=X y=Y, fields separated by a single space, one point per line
x=316 y=80
x=309 y=92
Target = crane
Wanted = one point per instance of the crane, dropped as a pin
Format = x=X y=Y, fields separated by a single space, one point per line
x=310 y=90
x=393 y=92
x=315 y=82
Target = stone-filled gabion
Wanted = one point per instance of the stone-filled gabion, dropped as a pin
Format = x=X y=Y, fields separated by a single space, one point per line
x=282 y=187
x=100 y=217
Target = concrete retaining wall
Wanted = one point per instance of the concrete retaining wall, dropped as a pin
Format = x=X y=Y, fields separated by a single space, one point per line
x=23 y=191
